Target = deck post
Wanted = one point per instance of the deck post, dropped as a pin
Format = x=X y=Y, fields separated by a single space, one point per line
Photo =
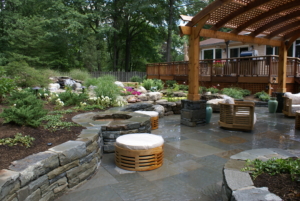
x=193 y=76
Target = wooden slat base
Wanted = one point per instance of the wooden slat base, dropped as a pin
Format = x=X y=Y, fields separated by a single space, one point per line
x=139 y=160
x=154 y=123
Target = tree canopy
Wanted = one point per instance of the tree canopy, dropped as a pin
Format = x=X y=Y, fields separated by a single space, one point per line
x=106 y=35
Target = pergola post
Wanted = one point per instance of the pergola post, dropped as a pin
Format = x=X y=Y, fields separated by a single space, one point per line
x=281 y=89
x=282 y=68
x=193 y=94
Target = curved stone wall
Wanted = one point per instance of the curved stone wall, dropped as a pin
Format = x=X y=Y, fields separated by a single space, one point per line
x=47 y=175
x=238 y=185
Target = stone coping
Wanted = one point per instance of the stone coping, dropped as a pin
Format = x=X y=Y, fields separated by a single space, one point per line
x=238 y=185
x=123 y=120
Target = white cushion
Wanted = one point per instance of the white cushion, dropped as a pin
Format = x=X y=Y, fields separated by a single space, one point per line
x=295 y=108
x=149 y=113
x=228 y=100
x=139 y=141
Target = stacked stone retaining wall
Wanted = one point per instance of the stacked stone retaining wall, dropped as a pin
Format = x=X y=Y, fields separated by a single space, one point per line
x=49 y=174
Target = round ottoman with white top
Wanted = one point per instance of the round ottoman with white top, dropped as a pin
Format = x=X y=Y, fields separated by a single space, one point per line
x=154 y=118
x=139 y=151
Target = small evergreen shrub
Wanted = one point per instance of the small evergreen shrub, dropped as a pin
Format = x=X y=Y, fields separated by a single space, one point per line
x=136 y=78
x=26 y=111
x=202 y=90
x=235 y=93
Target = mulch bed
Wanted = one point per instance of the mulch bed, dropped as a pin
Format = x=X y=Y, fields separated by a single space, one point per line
x=41 y=135
x=281 y=185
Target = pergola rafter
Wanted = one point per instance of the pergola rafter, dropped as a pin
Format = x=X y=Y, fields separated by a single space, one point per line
x=279 y=20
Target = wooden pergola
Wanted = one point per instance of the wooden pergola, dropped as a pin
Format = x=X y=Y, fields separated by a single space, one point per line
x=278 y=20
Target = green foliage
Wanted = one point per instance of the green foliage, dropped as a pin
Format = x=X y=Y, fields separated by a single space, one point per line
x=18 y=140
x=213 y=90
x=106 y=87
x=7 y=85
x=274 y=166
x=26 y=111
x=170 y=83
x=54 y=122
x=170 y=92
x=78 y=74
x=136 y=78
x=262 y=96
x=148 y=83
x=236 y=93
x=158 y=83
x=202 y=90
x=183 y=87
x=28 y=76
x=91 y=107
x=71 y=98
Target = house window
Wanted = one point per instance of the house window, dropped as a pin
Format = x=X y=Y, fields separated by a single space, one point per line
x=275 y=51
x=235 y=52
x=218 y=54
x=297 y=49
x=212 y=54
x=208 y=54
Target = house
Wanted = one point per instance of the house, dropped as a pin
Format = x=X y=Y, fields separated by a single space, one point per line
x=213 y=48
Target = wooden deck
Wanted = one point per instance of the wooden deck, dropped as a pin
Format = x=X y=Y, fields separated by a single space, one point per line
x=262 y=69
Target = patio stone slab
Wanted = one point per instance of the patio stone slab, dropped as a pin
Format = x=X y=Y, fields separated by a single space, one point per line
x=195 y=147
x=255 y=194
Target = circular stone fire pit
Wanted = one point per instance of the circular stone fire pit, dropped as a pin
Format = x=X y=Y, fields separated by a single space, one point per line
x=113 y=124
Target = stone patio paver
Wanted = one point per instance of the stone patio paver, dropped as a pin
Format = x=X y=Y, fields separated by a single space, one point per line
x=194 y=158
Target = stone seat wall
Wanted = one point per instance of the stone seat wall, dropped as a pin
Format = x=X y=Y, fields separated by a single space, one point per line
x=47 y=175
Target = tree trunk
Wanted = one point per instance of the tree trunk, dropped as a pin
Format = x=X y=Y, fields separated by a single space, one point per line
x=169 y=39
x=127 y=55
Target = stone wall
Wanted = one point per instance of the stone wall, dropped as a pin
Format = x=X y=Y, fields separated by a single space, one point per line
x=47 y=175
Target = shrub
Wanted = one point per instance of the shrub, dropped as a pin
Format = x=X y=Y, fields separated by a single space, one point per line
x=158 y=83
x=106 y=87
x=183 y=87
x=7 y=85
x=26 y=111
x=91 y=82
x=170 y=83
x=148 y=83
x=202 y=90
x=213 y=90
x=233 y=92
x=28 y=76
x=70 y=98
x=136 y=78
x=262 y=96
x=78 y=74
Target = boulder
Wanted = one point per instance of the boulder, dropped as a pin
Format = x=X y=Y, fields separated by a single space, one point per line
x=160 y=109
x=214 y=103
x=120 y=84
x=143 y=97
x=154 y=96
x=141 y=89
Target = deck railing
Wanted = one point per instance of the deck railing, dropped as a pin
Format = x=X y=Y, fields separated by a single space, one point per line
x=261 y=66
